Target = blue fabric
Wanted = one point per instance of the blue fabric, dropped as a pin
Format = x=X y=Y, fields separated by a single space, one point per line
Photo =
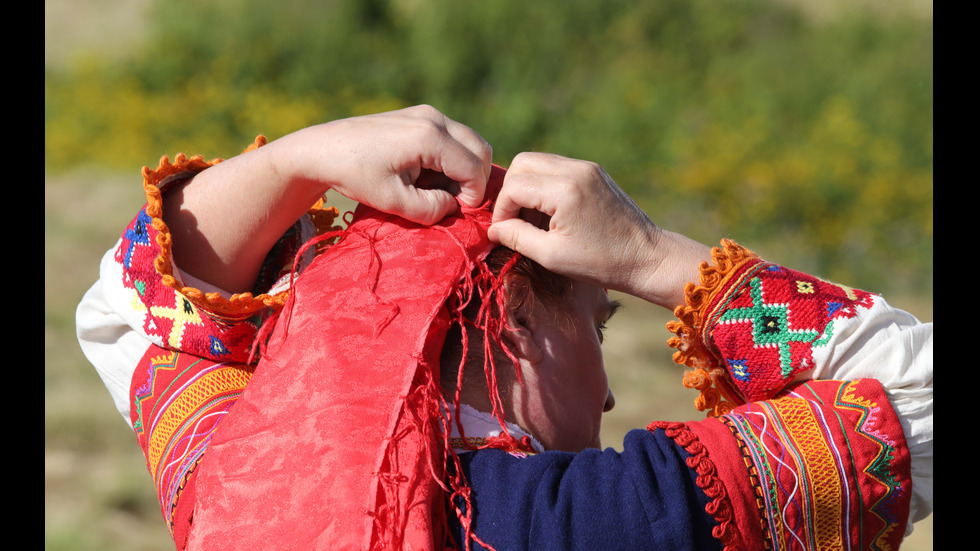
x=642 y=498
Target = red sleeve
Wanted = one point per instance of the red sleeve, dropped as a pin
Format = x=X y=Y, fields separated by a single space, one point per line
x=823 y=466
x=180 y=317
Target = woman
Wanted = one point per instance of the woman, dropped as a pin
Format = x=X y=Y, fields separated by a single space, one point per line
x=348 y=430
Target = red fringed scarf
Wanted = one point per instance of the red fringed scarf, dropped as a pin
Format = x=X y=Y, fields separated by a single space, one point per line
x=341 y=440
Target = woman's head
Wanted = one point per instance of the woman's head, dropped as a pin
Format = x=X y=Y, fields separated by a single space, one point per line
x=552 y=327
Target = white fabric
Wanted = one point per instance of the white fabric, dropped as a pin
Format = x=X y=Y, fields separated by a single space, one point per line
x=892 y=346
x=109 y=330
x=477 y=424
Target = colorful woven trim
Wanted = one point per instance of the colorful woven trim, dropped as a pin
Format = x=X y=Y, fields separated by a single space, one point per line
x=824 y=466
x=708 y=479
x=752 y=326
x=178 y=401
x=831 y=467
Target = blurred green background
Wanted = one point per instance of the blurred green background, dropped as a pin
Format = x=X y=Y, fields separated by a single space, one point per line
x=803 y=130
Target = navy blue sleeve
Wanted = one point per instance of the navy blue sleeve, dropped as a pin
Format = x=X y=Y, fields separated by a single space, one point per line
x=643 y=498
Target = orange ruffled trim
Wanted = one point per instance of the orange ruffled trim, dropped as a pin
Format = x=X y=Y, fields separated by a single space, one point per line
x=708 y=373
x=240 y=304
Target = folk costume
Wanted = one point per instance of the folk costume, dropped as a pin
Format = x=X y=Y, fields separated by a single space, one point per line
x=308 y=414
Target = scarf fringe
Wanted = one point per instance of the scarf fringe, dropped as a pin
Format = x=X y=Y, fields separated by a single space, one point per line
x=425 y=405
x=491 y=320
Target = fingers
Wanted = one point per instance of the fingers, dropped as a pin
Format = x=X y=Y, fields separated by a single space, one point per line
x=415 y=162
x=517 y=195
x=590 y=223
x=537 y=210
x=525 y=188
x=425 y=206
x=539 y=185
x=457 y=151
x=472 y=187
x=520 y=236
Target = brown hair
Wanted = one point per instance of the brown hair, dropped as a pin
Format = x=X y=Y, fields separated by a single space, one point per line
x=521 y=286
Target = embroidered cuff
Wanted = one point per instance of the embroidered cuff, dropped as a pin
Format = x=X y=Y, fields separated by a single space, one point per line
x=751 y=326
x=182 y=317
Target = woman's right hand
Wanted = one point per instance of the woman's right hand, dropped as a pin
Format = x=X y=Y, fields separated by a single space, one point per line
x=571 y=217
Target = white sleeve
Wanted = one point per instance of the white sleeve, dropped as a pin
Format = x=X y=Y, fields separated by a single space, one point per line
x=107 y=338
x=894 y=347
x=109 y=326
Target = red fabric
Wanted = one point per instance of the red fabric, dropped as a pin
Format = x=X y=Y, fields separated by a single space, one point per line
x=822 y=466
x=769 y=321
x=337 y=441
x=178 y=402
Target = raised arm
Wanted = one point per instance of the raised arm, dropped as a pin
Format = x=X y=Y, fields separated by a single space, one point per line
x=748 y=328
x=415 y=162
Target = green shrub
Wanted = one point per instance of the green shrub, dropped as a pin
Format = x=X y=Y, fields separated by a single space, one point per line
x=737 y=118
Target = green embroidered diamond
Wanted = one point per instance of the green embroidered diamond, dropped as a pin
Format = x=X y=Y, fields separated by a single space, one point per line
x=770 y=325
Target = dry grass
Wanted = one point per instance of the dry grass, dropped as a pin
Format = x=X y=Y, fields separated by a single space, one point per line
x=98 y=493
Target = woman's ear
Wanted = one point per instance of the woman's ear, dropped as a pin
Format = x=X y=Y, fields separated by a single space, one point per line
x=519 y=333
x=519 y=336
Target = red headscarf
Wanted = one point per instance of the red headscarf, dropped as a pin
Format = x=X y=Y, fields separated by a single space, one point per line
x=340 y=440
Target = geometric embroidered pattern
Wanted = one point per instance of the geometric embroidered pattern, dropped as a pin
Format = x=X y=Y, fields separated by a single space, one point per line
x=879 y=470
x=181 y=315
x=171 y=319
x=811 y=493
x=770 y=327
x=767 y=323
x=178 y=400
x=137 y=236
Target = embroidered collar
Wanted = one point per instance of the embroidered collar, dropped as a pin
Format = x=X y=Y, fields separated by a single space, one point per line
x=478 y=426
